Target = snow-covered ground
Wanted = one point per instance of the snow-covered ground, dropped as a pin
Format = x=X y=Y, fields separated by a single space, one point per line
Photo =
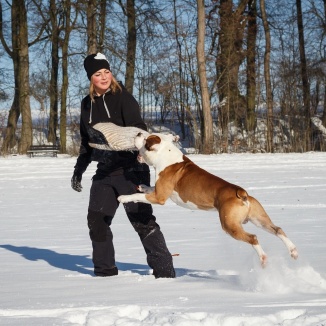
x=46 y=269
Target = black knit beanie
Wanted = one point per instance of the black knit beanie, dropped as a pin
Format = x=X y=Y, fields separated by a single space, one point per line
x=95 y=62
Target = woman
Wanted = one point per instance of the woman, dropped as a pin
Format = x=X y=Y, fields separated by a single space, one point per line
x=118 y=172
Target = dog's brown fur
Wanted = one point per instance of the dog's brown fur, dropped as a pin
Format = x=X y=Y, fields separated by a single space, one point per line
x=192 y=184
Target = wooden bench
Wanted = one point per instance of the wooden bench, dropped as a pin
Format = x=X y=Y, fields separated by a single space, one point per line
x=45 y=149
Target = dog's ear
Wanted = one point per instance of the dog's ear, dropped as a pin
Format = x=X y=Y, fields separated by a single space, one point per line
x=169 y=137
x=151 y=141
x=172 y=138
x=176 y=138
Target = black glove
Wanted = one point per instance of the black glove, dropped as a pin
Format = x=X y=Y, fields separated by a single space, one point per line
x=76 y=182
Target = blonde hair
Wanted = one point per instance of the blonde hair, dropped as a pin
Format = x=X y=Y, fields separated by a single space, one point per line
x=115 y=87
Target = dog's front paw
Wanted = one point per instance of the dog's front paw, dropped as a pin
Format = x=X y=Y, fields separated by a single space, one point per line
x=145 y=189
x=124 y=199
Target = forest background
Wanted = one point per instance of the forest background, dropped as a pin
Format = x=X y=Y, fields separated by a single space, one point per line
x=228 y=76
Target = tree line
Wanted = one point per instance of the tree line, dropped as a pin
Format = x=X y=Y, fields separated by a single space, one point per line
x=230 y=74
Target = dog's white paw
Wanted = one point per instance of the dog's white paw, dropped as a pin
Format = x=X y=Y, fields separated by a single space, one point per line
x=124 y=199
x=294 y=253
x=145 y=189
x=263 y=261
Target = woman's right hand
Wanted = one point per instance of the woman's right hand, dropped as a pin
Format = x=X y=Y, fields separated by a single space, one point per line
x=76 y=182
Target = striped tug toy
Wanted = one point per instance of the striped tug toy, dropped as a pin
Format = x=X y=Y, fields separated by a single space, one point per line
x=108 y=136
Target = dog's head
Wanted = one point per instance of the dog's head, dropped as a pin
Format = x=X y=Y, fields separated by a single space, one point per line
x=156 y=148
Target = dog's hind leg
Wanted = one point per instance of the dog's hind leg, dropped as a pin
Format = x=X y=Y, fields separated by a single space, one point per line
x=232 y=225
x=260 y=218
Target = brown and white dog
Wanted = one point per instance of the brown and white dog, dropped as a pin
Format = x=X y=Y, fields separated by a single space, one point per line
x=185 y=183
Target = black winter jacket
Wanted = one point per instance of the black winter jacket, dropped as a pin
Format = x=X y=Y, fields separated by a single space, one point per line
x=121 y=109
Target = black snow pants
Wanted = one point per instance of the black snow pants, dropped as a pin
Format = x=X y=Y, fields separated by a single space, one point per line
x=103 y=204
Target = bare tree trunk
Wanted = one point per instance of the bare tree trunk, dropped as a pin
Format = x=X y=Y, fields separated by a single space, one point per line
x=193 y=117
x=131 y=46
x=19 y=55
x=208 y=139
x=232 y=25
x=102 y=25
x=91 y=27
x=181 y=100
x=55 y=29
x=14 y=112
x=10 y=141
x=65 y=80
x=251 y=68
x=269 y=99
x=24 y=101
x=323 y=119
x=304 y=77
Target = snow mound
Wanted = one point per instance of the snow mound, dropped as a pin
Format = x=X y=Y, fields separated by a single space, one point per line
x=134 y=315
x=279 y=278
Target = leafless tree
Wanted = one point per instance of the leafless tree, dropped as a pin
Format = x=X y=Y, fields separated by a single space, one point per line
x=208 y=140
x=68 y=25
x=91 y=26
x=268 y=86
x=304 y=76
x=55 y=14
x=20 y=56
x=251 y=121
x=231 y=55
x=130 y=13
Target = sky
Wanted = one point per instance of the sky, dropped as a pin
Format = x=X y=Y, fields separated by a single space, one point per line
x=46 y=275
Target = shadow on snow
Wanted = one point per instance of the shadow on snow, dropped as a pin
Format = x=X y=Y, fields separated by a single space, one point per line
x=83 y=264
x=76 y=263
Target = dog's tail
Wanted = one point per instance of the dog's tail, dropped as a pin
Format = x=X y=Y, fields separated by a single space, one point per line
x=242 y=194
